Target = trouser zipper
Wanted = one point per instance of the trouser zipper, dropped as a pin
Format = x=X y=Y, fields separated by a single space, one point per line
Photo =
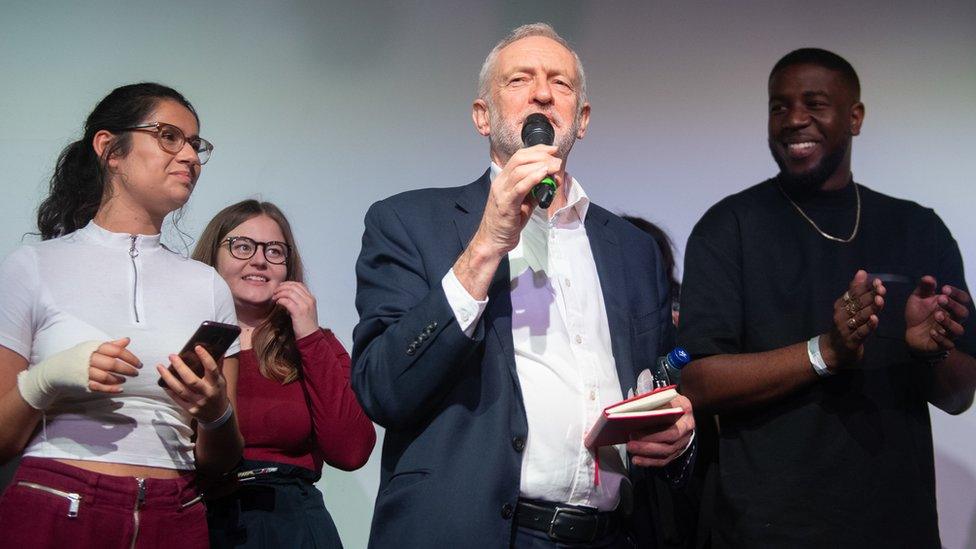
x=140 y=499
x=74 y=500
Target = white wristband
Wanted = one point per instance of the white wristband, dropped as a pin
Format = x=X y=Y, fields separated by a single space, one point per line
x=817 y=361
x=211 y=425
x=66 y=372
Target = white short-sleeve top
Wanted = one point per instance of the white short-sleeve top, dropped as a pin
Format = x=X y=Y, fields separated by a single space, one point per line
x=94 y=284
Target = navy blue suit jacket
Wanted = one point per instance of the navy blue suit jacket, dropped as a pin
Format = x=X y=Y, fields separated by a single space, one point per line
x=451 y=405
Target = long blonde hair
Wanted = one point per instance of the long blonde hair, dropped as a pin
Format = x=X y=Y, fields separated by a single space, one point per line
x=274 y=338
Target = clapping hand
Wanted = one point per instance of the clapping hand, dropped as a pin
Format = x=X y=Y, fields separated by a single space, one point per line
x=933 y=319
x=855 y=318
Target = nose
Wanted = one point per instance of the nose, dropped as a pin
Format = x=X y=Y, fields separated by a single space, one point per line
x=542 y=93
x=797 y=117
x=188 y=154
x=258 y=260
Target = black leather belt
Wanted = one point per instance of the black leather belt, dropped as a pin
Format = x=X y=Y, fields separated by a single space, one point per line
x=564 y=523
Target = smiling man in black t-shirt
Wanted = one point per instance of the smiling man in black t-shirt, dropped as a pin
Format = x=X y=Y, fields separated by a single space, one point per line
x=824 y=317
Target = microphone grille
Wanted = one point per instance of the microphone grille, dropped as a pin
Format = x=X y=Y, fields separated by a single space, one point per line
x=537 y=130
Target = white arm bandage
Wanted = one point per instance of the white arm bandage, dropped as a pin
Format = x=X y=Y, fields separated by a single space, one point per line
x=63 y=373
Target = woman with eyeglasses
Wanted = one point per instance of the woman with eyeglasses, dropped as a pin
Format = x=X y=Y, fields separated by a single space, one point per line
x=296 y=407
x=89 y=320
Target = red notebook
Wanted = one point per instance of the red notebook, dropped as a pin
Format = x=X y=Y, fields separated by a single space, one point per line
x=634 y=414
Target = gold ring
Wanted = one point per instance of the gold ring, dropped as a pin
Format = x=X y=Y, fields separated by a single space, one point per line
x=852 y=324
x=846 y=296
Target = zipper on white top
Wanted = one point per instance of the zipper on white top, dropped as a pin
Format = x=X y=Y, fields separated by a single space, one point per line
x=133 y=254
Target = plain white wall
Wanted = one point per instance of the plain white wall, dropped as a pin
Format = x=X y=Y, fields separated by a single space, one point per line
x=325 y=107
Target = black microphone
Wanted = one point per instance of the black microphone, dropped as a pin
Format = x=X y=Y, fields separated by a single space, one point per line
x=538 y=131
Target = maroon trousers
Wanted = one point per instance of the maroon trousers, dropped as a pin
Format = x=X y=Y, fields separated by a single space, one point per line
x=51 y=504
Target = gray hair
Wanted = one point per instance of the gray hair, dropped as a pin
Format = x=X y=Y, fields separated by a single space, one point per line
x=525 y=31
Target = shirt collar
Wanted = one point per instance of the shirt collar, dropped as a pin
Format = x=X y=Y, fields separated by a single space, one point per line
x=104 y=237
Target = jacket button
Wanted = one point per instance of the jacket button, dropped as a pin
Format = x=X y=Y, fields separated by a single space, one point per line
x=507 y=511
x=518 y=443
x=423 y=337
x=412 y=350
x=431 y=327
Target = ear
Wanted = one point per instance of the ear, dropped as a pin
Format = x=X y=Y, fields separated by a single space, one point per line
x=101 y=142
x=480 y=117
x=857 y=117
x=584 y=121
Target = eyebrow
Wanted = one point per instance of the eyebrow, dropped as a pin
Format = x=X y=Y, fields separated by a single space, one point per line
x=806 y=95
x=533 y=68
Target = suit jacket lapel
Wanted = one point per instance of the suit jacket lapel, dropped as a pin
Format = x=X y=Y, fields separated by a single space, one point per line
x=498 y=314
x=610 y=268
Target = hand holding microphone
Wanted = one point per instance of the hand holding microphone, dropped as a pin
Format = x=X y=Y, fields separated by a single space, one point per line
x=509 y=207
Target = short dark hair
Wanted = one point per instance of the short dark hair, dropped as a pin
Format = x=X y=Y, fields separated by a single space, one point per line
x=821 y=58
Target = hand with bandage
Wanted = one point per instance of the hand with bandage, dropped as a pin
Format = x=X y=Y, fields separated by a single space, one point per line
x=91 y=366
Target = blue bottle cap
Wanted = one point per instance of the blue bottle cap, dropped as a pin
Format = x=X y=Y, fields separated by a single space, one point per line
x=678 y=357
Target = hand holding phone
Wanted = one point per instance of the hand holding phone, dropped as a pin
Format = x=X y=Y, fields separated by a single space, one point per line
x=214 y=337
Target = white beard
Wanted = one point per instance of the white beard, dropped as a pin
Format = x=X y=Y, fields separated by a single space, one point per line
x=506 y=135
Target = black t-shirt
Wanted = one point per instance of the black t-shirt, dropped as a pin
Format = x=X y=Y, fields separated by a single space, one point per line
x=846 y=461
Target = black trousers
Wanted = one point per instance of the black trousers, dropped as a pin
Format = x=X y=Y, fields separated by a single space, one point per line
x=280 y=509
x=527 y=538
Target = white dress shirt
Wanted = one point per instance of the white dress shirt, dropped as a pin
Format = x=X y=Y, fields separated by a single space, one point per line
x=563 y=355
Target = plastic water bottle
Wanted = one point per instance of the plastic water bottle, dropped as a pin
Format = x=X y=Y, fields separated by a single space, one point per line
x=667 y=369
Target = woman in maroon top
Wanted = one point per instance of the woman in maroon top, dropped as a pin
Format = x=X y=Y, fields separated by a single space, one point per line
x=295 y=406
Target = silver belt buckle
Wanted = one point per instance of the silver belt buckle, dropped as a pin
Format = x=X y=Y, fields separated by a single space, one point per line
x=570 y=511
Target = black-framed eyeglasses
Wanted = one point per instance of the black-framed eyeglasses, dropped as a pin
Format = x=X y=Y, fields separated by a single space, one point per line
x=243 y=247
x=171 y=139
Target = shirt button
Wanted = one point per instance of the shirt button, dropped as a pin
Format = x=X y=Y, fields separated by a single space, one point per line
x=592 y=394
x=507 y=511
x=568 y=283
x=579 y=338
x=518 y=443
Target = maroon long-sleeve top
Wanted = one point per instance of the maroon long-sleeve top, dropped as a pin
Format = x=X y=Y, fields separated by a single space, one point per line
x=308 y=421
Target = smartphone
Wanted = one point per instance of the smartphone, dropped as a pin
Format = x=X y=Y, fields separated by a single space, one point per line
x=215 y=337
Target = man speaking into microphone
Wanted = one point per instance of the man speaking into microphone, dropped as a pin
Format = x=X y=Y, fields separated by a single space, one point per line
x=493 y=331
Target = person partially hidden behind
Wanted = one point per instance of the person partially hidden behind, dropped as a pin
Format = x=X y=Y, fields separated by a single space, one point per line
x=296 y=407
x=824 y=317
x=492 y=333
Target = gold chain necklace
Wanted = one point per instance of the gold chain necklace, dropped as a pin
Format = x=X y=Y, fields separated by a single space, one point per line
x=857 y=220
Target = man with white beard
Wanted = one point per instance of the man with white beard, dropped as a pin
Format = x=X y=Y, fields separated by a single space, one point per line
x=493 y=332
